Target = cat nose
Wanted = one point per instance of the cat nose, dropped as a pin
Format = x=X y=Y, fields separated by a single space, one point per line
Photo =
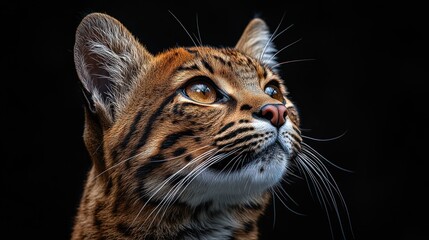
x=275 y=113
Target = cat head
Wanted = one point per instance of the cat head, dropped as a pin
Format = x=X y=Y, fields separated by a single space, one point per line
x=193 y=123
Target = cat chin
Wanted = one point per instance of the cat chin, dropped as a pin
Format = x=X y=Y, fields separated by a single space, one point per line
x=225 y=188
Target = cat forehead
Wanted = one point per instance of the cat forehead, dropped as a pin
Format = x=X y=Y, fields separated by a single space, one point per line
x=228 y=68
x=228 y=62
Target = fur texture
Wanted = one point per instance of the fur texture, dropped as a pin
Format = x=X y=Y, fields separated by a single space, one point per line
x=167 y=164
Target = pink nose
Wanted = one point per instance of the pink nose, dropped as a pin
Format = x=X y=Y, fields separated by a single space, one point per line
x=276 y=113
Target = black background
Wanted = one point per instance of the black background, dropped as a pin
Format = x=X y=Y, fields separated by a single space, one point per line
x=368 y=80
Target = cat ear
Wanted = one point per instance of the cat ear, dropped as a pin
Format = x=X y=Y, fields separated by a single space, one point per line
x=108 y=61
x=256 y=42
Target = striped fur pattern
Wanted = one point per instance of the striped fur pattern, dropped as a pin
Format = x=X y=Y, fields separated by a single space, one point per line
x=165 y=165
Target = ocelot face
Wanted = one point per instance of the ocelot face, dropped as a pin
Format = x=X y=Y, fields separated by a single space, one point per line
x=227 y=131
x=192 y=125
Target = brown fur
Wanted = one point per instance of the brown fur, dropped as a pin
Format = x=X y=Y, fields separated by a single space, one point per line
x=141 y=131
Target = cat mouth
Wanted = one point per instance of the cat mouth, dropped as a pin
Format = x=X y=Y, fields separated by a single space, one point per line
x=236 y=162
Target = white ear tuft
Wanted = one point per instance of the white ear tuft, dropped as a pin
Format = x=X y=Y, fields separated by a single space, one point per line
x=256 y=41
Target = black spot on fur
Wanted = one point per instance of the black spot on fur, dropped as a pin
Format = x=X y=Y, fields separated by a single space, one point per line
x=245 y=107
x=188 y=158
x=179 y=151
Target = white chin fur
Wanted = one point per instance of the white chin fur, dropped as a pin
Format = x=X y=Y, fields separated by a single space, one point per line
x=239 y=186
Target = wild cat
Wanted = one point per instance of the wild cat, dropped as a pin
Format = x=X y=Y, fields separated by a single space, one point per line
x=190 y=143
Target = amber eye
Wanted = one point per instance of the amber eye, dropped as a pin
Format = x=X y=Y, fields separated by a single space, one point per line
x=201 y=91
x=274 y=92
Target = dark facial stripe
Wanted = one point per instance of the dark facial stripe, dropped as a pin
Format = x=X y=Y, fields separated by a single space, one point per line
x=265 y=73
x=133 y=128
x=126 y=140
x=296 y=129
x=109 y=186
x=296 y=138
x=149 y=126
x=171 y=139
x=241 y=140
x=234 y=133
x=220 y=59
x=224 y=128
x=190 y=68
x=207 y=66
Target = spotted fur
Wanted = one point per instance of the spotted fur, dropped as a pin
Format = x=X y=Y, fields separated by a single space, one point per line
x=164 y=165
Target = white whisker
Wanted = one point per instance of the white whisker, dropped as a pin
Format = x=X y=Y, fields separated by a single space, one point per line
x=325 y=139
x=172 y=195
x=282 y=49
x=184 y=28
x=324 y=185
x=284 y=204
x=198 y=30
x=274 y=209
x=305 y=146
x=294 y=61
x=171 y=177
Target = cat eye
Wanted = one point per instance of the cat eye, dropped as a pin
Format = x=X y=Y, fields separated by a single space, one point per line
x=201 y=91
x=274 y=92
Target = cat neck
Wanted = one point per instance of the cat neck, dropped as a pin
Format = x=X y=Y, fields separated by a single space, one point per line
x=112 y=211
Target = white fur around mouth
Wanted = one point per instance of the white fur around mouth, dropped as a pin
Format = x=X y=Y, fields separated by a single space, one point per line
x=263 y=172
